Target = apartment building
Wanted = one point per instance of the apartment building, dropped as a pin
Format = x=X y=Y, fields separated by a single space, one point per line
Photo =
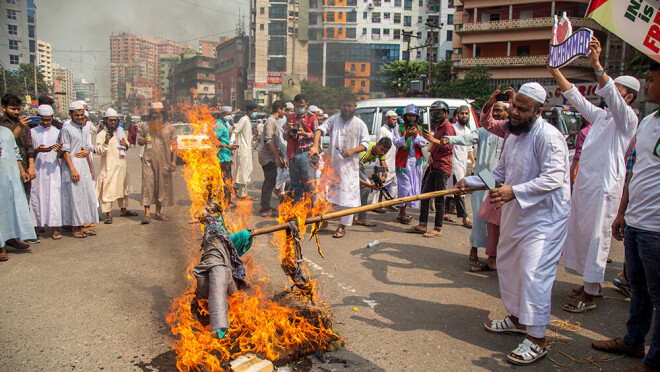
x=231 y=71
x=18 y=20
x=193 y=80
x=45 y=58
x=63 y=91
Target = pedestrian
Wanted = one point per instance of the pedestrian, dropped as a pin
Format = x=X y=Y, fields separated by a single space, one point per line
x=113 y=183
x=300 y=136
x=320 y=116
x=132 y=132
x=79 y=203
x=597 y=191
x=579 y=142
x=530 y=243
x=283 y=174
x=409 y=142
x=459 y=165
x=19 y=125
x=44 y=99
x=638 y=224
x=225 y=150
x=46 y=191
x=375 y=152
x=489 y=147
x=270 y=156
x=440 y=169
x=158 y=162
x=387 y=131
x=348 y=137
x=243 y=158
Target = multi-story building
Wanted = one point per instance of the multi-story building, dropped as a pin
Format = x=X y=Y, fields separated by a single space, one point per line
x=45 y=61
x=511 y=38
x=18 y=21
x=166 y=63
x=63 y=91
x=207 y=47
x=86 y=91
x=133 y=54
x=193 y=80
x=231 y=71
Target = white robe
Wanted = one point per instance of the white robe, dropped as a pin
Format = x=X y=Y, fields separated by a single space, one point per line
x=46 y=191
x=243 y=133
x=534 y=224
x=390 y=156
x=599 y=184
x=460 y=156
x=112 y=181
x=347 y=135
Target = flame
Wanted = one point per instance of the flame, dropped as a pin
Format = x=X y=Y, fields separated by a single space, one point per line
x=258 y=324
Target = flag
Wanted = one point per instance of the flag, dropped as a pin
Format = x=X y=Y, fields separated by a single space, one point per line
x=637 y=22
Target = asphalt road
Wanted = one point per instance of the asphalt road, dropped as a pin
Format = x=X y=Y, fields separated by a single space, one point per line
x=407 y=304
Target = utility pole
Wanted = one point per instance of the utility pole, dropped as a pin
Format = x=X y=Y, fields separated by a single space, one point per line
x=431 y=41
x=408 y=34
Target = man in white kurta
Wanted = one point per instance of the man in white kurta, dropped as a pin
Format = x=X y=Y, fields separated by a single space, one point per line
x=243 y=155
x=112 y=183
x=46 y=192
x=535 y=202
x=599 y=183
x=348 y=137
x=387 y=130
x=461 y=154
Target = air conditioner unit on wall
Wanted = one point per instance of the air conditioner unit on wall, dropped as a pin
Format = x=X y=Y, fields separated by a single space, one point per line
x=370 y=5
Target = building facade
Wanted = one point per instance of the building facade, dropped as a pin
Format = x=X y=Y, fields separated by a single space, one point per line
x=207 y=48
x=86 y=91
x=18 y=21
x=45 y=58
x=231 y=71
x=511 y=38
x=63 y=91
x=193 y=81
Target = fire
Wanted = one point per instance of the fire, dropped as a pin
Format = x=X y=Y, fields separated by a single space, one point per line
x=258 y=324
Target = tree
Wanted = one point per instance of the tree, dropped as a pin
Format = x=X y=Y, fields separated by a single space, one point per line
x=395 y=75
x=475 y=85
x=22 y=83
x=326 y=98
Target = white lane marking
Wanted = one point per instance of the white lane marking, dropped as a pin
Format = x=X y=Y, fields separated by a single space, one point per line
x=371 y=303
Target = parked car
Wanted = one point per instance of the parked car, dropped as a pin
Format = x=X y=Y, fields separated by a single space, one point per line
x=566 y=119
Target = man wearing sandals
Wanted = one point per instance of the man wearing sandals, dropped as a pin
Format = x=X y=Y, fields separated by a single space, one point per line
x=638 y=225
x=597 y=189
x=535 y=202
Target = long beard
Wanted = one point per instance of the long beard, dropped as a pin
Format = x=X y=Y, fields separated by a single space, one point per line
x=521 y=128
x=156 y=127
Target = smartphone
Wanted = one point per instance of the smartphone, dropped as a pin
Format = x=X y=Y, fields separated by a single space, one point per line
x=503 y=97
x=488 y=179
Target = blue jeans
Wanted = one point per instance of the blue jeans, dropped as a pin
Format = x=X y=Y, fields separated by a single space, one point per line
x=643 y=271
x=301 y=172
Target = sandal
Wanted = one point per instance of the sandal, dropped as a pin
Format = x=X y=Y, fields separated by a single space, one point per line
x=575 y=292
x=365 y=223
x=380 y=210
x=432 y=234
x=145 y=220
x=416 y=230
x=623 y=287
x=579 y=307
x=108 y=220
x=474 y=261
x=449 y=219
x=467 y=224
x=128 y=214
x=404 y=219
x=505 y=325
x=87 y=231
x=56 y=236
x=480 y=268
x=527 y=352
x=618 y=346
x=3 y=255
x=79 y=235
x=161 y=217
x=339 y=233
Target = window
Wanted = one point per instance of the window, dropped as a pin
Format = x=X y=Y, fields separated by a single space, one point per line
x=406 y=36
x=330 y=16
x=419 y=35
x=261 y=27
x=313 y=4
x=11 y=14
x=30 y=16
x=375 y=17
x=419 y=54
x=407 y=21
x=351 y=3
x=13 y=2
x=376 y=2
x=450 y=4
x=420 y=20
x=364 y=15
x=375 y=33
x=448 y=54
x=312 y=19
x=364 y=31
x=477 y=53
x=13 y=44
x=12 y=29
x=404 y=55
x=450 y=35
x=277 y=28
x=397 y=3
x=13 y=59
x=351 y=17
x=522 y=50
x=277 y=11
x=330 y=2
x=363 y=67
x=494 y=17
x=387 y=15
x=362 y=83
x=450 y=19
x=352 y=83
x=277 y=64
x=397 y=34
x=421 y=3
x=526 y=14
x=397 y=18
x=33 y=46
x=31 y=31
x=277 y=46
x=407 y=5
x=330 y=33
x=350 y=33
x=386 y=31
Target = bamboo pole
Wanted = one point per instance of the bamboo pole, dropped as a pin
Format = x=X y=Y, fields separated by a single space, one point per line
x=365 y=208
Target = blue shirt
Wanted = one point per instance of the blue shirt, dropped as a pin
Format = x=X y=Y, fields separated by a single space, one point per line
x=221 y=130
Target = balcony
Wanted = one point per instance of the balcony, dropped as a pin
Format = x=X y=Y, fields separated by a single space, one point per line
x=497 y=62
x=510 y=24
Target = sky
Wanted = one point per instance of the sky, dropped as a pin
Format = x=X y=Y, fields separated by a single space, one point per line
x=74 y=25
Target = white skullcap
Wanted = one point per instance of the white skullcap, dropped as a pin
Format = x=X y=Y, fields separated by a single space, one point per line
x=319 y=112
x=225 y=109
x=505 y=104
x=110 y=112
x=325 y=116
x=289 y=106
x=76 y=105
x=82 y=102
x=534 y=91
x=390 y=113
x=628 y=82
x=156 y=105
x=313 y=109
x=86 y=113
x=45 y=110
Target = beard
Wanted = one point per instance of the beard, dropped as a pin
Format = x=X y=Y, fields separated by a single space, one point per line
x=521 y=128
x=347 y=116
x=463 y=123
x=156 y=127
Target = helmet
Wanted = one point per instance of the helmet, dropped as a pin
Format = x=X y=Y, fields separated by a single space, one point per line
x=439 y=105
x=411 y=110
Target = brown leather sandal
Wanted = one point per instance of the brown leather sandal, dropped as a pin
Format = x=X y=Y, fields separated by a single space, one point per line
x=616 y=345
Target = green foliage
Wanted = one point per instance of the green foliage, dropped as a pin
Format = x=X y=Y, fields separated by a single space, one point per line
x=326 y=98
x=474 y=85
x=23 y=83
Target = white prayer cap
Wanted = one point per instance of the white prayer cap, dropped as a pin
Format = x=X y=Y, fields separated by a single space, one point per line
x=319 y=112
x=225 y=109
x=628 y=82
x=156 y=105
x=505 y=104
x=45 y=110
x=86 y=113
x=390 y=113
x=110 y=112
x=313 y=109
x=534 y=91
x=289 y=106
x=76 y=105
x=325 y=116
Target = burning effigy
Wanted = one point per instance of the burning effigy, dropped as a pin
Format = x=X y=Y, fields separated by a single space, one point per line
x=281 y=328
